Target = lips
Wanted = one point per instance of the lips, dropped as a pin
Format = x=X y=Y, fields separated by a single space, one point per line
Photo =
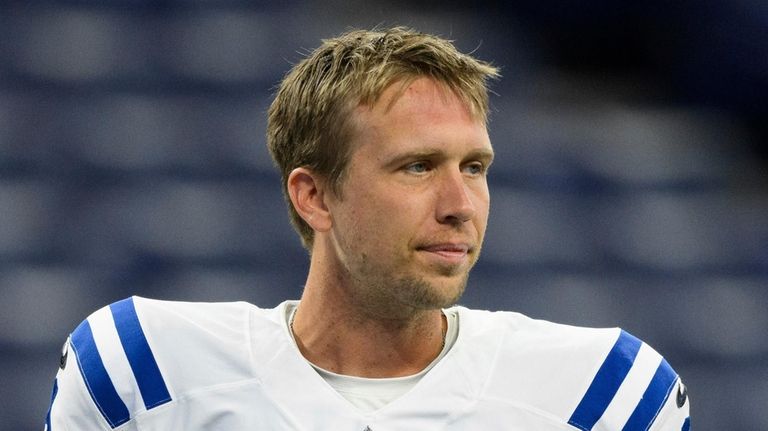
x=446 y=248
x=449 y=252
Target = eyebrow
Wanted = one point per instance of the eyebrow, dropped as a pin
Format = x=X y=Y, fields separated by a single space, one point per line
x=484 y=154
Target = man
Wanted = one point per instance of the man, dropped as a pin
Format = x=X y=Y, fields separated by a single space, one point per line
x=382 y=143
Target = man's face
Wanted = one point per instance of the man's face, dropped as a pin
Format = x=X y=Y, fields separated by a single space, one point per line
x=414 y=201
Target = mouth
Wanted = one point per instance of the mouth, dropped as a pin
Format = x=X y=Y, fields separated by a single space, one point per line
x=447 y=253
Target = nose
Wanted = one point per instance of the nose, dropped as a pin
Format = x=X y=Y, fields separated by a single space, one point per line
x=454 y=200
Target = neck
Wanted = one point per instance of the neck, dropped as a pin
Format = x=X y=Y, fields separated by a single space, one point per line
x=337 y=332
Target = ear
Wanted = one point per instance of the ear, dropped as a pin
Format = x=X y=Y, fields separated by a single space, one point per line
x=307 y=192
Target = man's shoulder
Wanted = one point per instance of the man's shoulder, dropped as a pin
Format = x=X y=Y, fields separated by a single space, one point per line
x=171 y=336
x=176 y=333
x=521 y=330
x=579 y=374
x=165 y=323
x=138 y=354
x=544 y=345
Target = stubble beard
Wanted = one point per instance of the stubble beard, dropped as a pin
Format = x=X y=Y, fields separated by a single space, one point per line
x=391 y=295
x=421 y=294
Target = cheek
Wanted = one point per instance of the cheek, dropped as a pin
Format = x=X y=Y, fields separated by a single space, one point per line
x=388 y=216
x=482 y=206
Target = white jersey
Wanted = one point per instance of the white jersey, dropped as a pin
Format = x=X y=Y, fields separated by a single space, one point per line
x=148 y=365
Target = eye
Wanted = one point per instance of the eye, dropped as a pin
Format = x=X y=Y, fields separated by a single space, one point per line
x=475 y=168
x=417 y=167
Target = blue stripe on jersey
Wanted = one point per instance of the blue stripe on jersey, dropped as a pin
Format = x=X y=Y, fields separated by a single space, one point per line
x=53 y=397
x=653 y=399
x=97 y=380
x=606 y=382
x=686 y=425
x=140 y=357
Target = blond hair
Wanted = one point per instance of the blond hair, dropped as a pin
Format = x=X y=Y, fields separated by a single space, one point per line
x=309 y=120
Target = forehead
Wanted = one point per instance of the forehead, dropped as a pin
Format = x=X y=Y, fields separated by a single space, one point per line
x=408 y=99
x=419 y=94
x=415 y=114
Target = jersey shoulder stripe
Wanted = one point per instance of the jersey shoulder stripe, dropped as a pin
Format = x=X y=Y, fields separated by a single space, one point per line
x=100 y=357
x=628 y=391
x=96 y=378
x=142 y=361
x=653 y=398
x=606 y=382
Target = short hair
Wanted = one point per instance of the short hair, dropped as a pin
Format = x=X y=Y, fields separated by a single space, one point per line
x=309 y=122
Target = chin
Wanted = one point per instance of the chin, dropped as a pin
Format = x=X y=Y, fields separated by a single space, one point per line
x=443 y=292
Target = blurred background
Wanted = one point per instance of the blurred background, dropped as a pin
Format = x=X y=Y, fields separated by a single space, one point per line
x=630 y=186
